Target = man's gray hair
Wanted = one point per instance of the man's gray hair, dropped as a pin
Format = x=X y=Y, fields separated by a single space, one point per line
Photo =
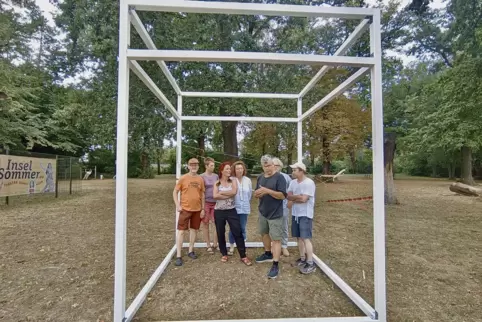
x=278 y=162
x=266 y=159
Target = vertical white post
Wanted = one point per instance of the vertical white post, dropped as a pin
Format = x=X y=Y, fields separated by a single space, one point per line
x=178 y=152
x=121 y=165
x=300 y=130
x=378 y=170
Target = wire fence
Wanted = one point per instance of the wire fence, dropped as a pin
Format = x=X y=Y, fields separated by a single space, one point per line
x=68 y=176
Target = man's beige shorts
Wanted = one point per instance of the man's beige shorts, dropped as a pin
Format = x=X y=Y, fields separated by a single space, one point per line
x=273 y=227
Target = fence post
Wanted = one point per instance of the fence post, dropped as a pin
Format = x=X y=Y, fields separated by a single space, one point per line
x=6 y=198
x=70 y=170
x=56 y=176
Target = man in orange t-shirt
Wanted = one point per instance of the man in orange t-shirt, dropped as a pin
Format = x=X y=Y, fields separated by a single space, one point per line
x=190 y=206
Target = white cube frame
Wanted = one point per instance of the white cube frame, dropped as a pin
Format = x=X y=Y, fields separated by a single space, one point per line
x=370 y=19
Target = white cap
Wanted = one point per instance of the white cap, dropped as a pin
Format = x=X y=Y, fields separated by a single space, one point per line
x=299 y=165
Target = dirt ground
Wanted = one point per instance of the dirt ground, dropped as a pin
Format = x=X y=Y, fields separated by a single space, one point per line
x=57 y=259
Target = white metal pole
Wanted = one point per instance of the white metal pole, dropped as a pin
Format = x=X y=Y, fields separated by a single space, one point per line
x=178 y=153
x=355 y=35
x=121 y=165
x=141 y=73
x=240 y=95
x=336 y=92
x=300 y=130
x=243 y=8
x=247 y=57
x=142 y=31
x=378 y=170
x=240 y=118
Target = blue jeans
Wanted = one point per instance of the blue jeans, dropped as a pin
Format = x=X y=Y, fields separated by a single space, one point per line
x=243 y=218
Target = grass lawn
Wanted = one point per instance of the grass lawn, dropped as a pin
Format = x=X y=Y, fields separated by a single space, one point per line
x=57 y=260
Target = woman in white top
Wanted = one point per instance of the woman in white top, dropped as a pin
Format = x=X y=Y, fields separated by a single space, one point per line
x=242 y=199
x=225 y=211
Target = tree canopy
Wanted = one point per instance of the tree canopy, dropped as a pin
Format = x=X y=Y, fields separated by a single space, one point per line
x=59 y=95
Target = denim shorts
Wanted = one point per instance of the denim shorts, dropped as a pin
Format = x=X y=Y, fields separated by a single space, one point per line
x=301 y=227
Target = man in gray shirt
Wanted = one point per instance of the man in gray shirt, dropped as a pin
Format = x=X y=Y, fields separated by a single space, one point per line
x=284 y=241
x=271 y=191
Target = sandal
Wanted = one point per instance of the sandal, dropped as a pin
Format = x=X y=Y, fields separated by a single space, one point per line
x=246 y=261
x=210 y=250
x=224 y=259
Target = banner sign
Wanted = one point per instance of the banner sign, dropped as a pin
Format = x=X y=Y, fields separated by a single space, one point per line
x=26 y=175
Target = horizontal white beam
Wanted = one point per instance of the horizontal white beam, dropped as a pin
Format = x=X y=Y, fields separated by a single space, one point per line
x=237 y=8
x=141 y=297
x=354 y=36
x=336 y=92
x=141 y=30
x=357 y=299
x=248 y=244
x=327 y=319
x=240 y=118
x=247 y=57
x=239 y=95
x=137 y=69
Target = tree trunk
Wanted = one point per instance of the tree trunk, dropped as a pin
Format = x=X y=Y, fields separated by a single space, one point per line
x=451 y=169
x=326 y=155
x=145 y=165
x=434 y=171
x=465 y=190
x=312 y=158
x=326 y=167
x=466 y=171
x=158 y=164
x=389 y=147
x=353 y=160
x=201 y=145
x=230 y=140
x=290 y=161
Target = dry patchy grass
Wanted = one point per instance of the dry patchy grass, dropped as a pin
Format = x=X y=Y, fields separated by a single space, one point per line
x=57 y=258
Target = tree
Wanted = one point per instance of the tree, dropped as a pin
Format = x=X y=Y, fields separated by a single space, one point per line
x=338 y=129
x=447 y=114
x=28 y=100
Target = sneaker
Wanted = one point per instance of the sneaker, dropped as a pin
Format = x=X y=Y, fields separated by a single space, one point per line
x=178 y=261
x=192 y=255
x=308 y=268
x=264 y=258
x=300 y=263
x=285 y=252
x=273 y=272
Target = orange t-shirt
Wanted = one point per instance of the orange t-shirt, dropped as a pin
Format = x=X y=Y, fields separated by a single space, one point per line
x=192 y=192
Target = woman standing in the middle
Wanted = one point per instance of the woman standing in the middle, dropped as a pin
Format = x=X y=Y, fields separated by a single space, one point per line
x=225 y=211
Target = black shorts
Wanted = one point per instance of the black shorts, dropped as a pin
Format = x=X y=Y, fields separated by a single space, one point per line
x=301 y=227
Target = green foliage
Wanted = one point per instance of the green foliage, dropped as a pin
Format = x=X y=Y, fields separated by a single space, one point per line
x=433 y=105
x=103 y=159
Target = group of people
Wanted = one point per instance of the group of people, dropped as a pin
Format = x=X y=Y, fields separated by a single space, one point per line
x=216 y=199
